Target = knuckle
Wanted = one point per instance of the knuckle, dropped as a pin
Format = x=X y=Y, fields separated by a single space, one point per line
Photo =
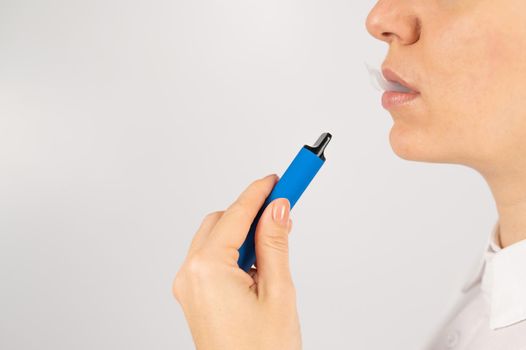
x=194 y=272
x=198 y=266
x=238 y=208
x=212 y=215
x=177 y=287
x=277 y=241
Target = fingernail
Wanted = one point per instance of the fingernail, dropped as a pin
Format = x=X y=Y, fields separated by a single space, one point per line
x=280 y=212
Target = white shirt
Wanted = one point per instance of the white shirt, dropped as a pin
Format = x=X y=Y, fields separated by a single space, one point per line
x=492 y=311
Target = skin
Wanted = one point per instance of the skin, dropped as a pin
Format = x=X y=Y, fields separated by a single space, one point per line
x=467 y=60
x=227 y=308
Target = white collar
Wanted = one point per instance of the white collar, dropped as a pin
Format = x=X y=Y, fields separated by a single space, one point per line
x=502 y=275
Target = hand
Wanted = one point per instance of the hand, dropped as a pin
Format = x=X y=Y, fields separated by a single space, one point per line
x=227 y=308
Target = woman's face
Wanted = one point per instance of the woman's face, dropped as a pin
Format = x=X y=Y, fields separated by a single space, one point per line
x=467 y=60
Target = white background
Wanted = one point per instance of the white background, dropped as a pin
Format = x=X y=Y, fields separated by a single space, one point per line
x=122 y=123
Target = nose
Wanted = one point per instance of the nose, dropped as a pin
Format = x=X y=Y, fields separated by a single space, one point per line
x=394 y=20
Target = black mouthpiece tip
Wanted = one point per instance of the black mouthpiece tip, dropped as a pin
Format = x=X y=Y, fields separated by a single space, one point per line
x=319 y=146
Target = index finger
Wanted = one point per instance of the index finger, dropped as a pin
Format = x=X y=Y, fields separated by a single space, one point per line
x=231 y=230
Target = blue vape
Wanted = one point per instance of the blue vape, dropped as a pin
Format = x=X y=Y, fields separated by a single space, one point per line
x=291 y=185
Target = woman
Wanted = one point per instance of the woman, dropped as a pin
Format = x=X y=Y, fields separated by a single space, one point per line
x=465 y=64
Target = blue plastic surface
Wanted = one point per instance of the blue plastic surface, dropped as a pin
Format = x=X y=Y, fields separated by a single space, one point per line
x=291 y=185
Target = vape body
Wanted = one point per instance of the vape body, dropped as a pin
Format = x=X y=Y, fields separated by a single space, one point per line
x=291 y=185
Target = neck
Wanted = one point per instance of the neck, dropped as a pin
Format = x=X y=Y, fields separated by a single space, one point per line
x=509 y=191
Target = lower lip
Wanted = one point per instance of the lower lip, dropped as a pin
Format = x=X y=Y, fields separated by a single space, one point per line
x=392 y=99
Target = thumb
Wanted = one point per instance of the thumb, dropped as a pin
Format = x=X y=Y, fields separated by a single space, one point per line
x=272 y=248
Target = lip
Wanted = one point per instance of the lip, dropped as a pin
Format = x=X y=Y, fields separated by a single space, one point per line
x=392 y=99
x=391 y=75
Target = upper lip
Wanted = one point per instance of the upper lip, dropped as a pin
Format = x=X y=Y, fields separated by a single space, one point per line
x=391 y=75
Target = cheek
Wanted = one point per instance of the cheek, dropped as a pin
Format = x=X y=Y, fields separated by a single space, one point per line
x=473 y=64
x=504 y=105
x=460 y=66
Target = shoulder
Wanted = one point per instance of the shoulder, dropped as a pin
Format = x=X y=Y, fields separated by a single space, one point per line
x=468 y=327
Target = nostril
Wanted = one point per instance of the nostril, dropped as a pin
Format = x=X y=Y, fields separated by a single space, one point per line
x=387 y=36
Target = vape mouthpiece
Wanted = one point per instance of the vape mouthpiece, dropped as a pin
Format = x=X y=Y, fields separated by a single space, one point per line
x=319 y=146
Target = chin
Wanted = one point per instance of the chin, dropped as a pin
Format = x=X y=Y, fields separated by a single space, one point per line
x=411 y=144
